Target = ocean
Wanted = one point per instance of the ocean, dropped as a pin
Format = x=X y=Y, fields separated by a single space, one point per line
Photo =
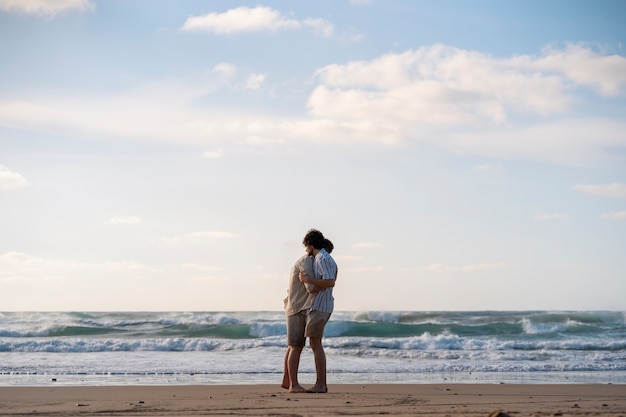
x=159 y=348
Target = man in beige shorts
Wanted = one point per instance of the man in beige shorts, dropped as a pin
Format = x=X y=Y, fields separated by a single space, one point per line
x=297 y=304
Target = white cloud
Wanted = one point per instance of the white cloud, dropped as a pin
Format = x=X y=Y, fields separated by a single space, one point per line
x=31 y=263
x=14 y=258
x=457 y=100
x=551 y=216
x=225 y=69
x=351 y=36
x=320 y=27
x=10 y=179
x=125 y=220
x=258 y=19
x=613 y=190
x=366 y=245
x=228 y=75
x=442 y=85
x=46 y=8
x=173 y=117
x=606 y=74
x=255 y=81
x=615 y=215
x=241 y=19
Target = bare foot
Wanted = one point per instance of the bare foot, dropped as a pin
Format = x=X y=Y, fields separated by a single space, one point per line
x=285 y=386
x=297 y=389
x=317 y=389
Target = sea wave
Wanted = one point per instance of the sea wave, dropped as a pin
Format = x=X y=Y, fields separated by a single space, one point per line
x=119 y=331
x=241 y=325
x=394 y=346
x=247 y=343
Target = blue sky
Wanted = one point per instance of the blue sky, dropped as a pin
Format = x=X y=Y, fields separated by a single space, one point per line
x=172 y=155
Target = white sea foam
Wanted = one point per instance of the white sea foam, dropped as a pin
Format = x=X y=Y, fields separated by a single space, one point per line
x=358 y=344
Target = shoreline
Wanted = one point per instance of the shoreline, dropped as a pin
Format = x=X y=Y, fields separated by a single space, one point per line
x=11 y=379
x=342 y=399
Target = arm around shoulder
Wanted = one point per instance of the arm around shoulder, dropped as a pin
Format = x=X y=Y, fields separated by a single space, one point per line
x=322 y=283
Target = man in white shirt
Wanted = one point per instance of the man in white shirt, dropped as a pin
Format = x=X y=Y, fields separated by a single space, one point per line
x=324 y=277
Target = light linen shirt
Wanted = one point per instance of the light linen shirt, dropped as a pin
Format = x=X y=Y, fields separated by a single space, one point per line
x=324 y=267
x=298 y=298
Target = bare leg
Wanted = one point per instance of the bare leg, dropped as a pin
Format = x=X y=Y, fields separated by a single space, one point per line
x=292 y=363
x=320 y=365
x=286 y=380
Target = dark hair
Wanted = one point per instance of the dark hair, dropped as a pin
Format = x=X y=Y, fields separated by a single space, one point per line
x=316 y=239
x=328 y=245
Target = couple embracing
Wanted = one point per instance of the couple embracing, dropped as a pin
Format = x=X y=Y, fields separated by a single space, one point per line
x=308 y=307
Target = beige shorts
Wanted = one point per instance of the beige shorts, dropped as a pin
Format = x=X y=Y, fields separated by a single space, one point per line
x=315 y=323
x=296 y=323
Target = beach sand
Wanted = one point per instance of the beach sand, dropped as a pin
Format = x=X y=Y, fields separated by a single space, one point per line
x=349 y=399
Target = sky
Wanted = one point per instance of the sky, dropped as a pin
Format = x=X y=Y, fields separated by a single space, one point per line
x=159 y=156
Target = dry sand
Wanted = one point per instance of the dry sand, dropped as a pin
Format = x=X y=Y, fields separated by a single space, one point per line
x=351 y=400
